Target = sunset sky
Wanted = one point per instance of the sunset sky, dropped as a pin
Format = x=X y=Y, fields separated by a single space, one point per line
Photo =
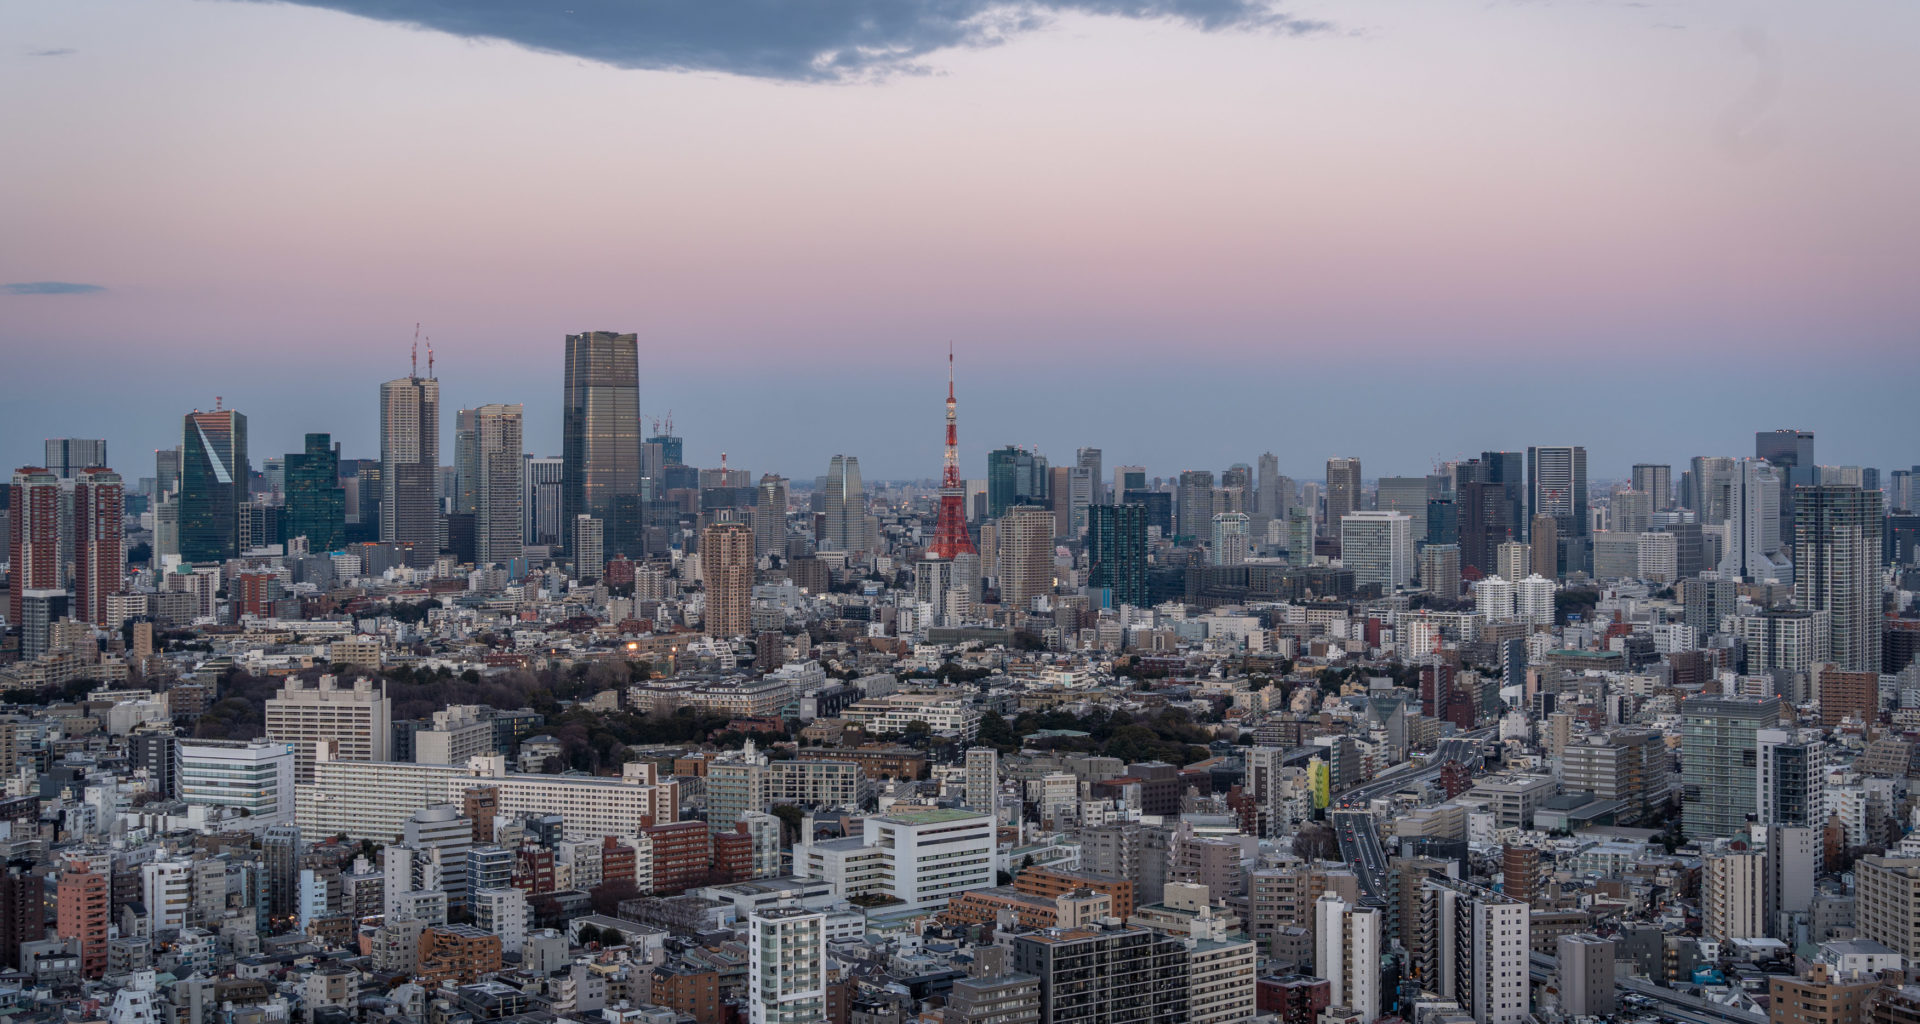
x=1185 y=231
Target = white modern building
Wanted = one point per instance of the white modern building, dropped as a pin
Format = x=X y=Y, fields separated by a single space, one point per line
x=787 y=966
x=1348 y=942
x=921 y=857
x=357 y=721
x=1378 y=547
x=502 y=912
x=254 y=776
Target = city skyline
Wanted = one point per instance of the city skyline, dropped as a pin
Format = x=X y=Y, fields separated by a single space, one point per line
x=1629 y=212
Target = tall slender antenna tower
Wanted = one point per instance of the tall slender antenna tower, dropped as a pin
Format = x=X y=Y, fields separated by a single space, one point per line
x=950 y=536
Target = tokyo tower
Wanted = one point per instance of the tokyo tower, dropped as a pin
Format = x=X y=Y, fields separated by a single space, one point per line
x=950 y=531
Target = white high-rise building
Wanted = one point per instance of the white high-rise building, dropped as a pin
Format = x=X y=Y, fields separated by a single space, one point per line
x=1533 y=600
x=1229 y=539
x=787 y=966
x=168 y=888
x=1752 y=551
x=504 y=913
x=499 y=490
x=1477 y=945
x=1659 y=558
x=1514 y=560
x=1493 y=598
x=920 y=857
x=1378 y=547
x=1348 y=942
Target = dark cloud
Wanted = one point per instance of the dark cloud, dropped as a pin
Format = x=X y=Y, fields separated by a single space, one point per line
x=50 y=288
x=60 y=51
x=801 y=40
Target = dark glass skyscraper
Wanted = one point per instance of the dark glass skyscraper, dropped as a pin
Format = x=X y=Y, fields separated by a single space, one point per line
x=1791 y=452
x=213 y=483
x=316 y=503
x=1015 y=476
x=1117 y=552
x=600 y=424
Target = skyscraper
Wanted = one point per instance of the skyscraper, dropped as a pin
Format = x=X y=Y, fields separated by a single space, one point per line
x=1837 y=567
x=1015 y=476
x=316 y=503
x=33 y=536
x=1378 y=547
x=726 y=570
x=1656 y=480
x=1267 y=499
x=600 y=424
x=1229 y=539
x=1752 y=551
x=410 y=465
x=213 y=484
x=770 y=516
x=99 y=543
x=499 y=491
x=1117 y=552
x=1791 y=452
x=1719 y=755
x=1026 y=555
x=845 y=507
x=1089 y=460
x=1557 y=487
x=1343 y=490
x=1544 y=537
x=542 y=503
x=1194 y=505
x=67 y=456
x=1440 y=570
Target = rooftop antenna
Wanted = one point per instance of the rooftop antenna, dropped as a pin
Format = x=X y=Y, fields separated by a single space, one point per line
x=216 y=403
x=429 y=358
x=416 y=350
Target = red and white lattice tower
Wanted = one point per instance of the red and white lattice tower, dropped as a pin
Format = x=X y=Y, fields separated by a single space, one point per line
x=950 y=531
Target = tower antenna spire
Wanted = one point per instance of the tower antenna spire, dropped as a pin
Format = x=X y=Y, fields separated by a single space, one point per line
x=415 y=372
x=950 y=537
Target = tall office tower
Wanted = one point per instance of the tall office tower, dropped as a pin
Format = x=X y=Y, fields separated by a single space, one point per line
x=1407 y=494
x=1586 y=975
x=588 y=544
x=1476 y=946
x=316 y=503
x=1544 y=538
x=1514 y=561
x=1719 y=750
x=99 y=543
x=466 y=463
x=1348 y=942
x=67 y=456
x=82 y=908
x=493 y=434
x=1015 y=476
x=1557 y=487
x=1300 y=536
x=1733 y=892
x=33 y=536
x=1791 y=452
x=1708 y=478
x=1128 y=478
x=1267 y=499
x=1838 y=558
x=770 y=517
x=1072 y=490
x=357 y=720
x=1229 y=539
x=1106 y=973
x=213 y=484
x=1508 y=472
x=1194 y=505
x=786 y=966
x=1378 y=547
x=1117 y=553
x=600 y=424
x=845 y=522
x=1483 y=512
x=410 y=464
x=726 y=570
x=1089 y=460
x=1630 y=512
x=542 y=501
x=1026 y=556
x=1752 y=551
x=166 y=471
x=1792 y=777
x=983 y=779
x=1657 y=480
x=1440 y=570
x=1343 y=490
